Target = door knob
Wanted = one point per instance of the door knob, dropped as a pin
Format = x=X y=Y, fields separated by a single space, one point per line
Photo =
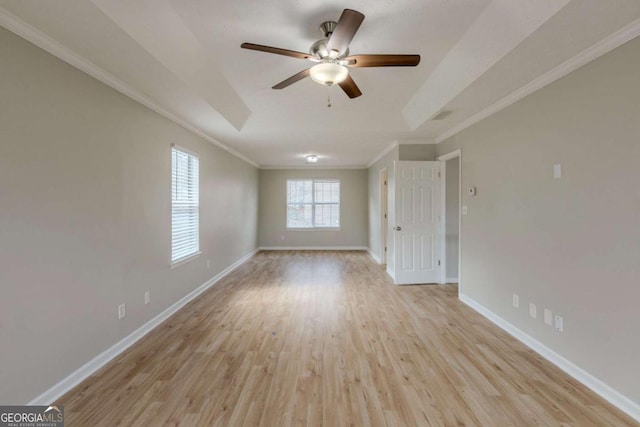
x=397 y=228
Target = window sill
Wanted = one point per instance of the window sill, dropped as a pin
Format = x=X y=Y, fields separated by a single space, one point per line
x=185 y=260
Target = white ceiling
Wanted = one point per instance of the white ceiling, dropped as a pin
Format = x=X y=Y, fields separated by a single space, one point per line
x=183 y=58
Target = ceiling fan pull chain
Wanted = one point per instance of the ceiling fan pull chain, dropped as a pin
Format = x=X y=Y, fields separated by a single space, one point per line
x=329 y=101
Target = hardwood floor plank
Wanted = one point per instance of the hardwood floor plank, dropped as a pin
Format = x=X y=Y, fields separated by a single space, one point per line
x=314 y=338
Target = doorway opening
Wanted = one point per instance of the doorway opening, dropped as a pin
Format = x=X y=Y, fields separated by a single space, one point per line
x=451 y=216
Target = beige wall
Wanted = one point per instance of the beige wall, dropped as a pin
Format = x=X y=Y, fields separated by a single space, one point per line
x=452 y=218
x=573 y=244
x=417 y=152
x=85 y=217
x=353 y=210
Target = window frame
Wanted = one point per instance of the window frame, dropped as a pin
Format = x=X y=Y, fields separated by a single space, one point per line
x=196 y=253
x=313 y=204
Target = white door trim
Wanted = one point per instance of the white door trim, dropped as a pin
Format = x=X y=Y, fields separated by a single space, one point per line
x=451 y=155
x=443 y=224
x=384 y=209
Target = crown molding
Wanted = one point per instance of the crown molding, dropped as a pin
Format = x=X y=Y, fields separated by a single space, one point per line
x=43 y=41
x=309 y=167
x=382 y=154
x=417 y=141
x=602 y=47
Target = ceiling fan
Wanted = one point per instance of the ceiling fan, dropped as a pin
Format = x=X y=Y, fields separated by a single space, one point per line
x=331 y=55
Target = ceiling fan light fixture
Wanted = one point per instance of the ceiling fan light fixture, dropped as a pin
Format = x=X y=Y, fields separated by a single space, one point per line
x=331 y=54
x=328 y=73
x=312 y=158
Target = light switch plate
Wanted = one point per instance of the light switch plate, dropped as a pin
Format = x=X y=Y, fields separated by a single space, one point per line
x=516 y=300
x=557 y=171
x=548 y=318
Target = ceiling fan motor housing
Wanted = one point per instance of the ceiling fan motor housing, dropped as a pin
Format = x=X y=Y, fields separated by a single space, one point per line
x=319 y=48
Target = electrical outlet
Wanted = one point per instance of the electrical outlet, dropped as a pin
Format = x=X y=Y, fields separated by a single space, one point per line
x=532 y=310
x=559 y=323
x=557 y=171
x=121 y=311
x=548 y=318
x=282 y=237
x=147 y=297
x=464 y=210
x=516 y=301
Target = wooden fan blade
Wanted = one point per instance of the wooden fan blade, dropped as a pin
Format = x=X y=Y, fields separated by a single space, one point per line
x=276 y=50
x=350 y=87
x=291 y=80
x=348 y=25
x=383 y=60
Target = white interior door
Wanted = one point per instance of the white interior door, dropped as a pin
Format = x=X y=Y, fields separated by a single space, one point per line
x=416 y=229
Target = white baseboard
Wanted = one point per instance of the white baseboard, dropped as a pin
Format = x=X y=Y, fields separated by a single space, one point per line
x=313 y=248
x=374 y=256
x=75 y=378
x=391 y=273
x=452 y=280
x=605 y=391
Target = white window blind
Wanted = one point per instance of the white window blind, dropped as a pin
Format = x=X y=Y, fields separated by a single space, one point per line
x=313 y=203
x=185 y=204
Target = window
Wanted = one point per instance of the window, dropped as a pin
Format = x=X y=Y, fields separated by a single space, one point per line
x=313 y=203
x=185 y=204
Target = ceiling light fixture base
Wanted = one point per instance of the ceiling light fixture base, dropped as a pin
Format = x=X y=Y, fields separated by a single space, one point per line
x=328 y=73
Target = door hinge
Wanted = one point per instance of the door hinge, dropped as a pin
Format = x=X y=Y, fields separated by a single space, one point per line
x=385 y=183
x=385 y=249
x=385 y=216
x=438 y=262
x=438 y=174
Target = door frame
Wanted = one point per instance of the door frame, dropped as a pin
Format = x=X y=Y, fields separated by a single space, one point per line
x=384 y=210
x=443 y=214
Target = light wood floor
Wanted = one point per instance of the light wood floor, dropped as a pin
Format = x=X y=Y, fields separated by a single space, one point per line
x=324 y=338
